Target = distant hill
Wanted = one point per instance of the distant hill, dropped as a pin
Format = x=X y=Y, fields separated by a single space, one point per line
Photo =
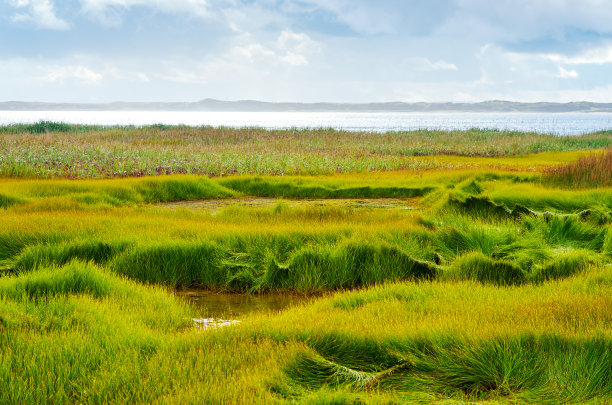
x=257 y=106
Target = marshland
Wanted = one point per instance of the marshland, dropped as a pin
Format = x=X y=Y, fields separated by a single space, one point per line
x=422 y=266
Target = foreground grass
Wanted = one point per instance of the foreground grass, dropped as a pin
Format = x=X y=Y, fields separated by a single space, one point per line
x=78 y=333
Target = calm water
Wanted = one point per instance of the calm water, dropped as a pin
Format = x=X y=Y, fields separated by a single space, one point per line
x=233 y=306
x=557 y=123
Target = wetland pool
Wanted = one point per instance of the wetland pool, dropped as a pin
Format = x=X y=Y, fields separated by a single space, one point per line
x=211 y=305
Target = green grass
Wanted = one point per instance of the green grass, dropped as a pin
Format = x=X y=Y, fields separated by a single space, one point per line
x=81 y=333
x=483 y=282
x=459 y=232
x=273 y=187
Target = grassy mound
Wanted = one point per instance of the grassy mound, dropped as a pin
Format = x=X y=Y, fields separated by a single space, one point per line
x=7 y=201
x=476 y=266
x=277 y=188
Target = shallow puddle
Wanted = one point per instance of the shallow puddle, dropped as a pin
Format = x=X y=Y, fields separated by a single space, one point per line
x=219 y=308
x=375 y=203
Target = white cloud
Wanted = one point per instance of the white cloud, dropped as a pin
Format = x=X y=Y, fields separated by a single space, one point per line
x=566 y=74
x=39 y=12
x=143 y=77
x=109 y=11
x=524 y=20
x=424 y=64
x=597 y=56
x=388 y=16
x=296 y=42
x=295 y=47
x=248 y=63
x=294 y=59
x=249 y=53
x=80 y=73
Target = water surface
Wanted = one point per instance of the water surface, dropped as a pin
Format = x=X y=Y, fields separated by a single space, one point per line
x=234 y=306
x=556 y=123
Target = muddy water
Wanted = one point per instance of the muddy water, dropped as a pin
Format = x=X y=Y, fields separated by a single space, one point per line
x=209 y=305
x=373 y=203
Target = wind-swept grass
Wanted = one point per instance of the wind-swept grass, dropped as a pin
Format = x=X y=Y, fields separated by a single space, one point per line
x=458 y=232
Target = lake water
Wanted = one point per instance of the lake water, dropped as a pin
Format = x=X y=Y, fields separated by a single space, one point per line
x=556 y=123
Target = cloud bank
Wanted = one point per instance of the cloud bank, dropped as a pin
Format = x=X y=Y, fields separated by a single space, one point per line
x=307 y=50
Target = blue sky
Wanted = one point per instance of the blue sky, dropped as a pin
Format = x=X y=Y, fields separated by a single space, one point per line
x=309 y=50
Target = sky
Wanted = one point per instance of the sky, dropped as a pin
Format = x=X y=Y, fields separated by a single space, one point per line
x=306 y=51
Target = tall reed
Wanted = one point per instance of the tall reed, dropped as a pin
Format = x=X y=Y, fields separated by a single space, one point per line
x=590 y=171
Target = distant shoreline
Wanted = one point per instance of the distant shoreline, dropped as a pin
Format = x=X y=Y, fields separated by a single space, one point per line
x=212 y=105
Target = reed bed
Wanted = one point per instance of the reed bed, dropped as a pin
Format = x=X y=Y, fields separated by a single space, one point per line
x=588 y=172
x=48 y=150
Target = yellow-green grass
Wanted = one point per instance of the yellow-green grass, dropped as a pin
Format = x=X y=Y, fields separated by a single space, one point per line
x=492 y=287
x=68 y=194
x=81 y=334
x=305 y=247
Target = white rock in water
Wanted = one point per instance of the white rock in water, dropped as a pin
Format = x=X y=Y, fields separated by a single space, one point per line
x=212 y=322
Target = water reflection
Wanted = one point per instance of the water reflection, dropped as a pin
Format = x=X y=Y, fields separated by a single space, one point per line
x=542 y=122
x=235 y=306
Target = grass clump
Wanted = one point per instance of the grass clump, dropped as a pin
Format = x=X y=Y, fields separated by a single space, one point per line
x=160 y=190
x=289 y=189
x=35 y=256
x=176 y=264
x=564 y=265
x=479 y=267
x=351 y=265
x=521 y=369
x=74 y=278
x=45 y=127
x=8 y=201
x=570 y=231
x=606 y=246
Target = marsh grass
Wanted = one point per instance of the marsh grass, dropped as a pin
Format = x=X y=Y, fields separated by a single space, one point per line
x=79 y=331
x=589 y=171
x=523 y=369
x=272 y=187
x=48 y=150
x=463 y=234
x=495 y=288
x=479 y=267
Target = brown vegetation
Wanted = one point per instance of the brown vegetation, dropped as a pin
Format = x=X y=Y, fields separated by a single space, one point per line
x=590 y=171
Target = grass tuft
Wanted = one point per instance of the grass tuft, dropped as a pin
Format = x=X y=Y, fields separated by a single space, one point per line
x=476 y=266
